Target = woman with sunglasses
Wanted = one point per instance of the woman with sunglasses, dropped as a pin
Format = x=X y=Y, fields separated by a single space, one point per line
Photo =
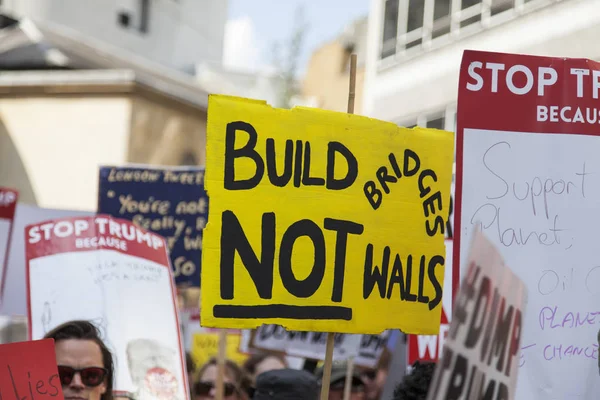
x=236 y=383
x=85 y=365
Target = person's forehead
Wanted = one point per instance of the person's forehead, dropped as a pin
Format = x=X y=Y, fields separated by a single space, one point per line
x=210 y=374
x=78 y=353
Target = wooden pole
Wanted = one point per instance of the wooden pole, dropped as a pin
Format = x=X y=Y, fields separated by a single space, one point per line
x=221 y=363
x=348 y=383
x=330 y=336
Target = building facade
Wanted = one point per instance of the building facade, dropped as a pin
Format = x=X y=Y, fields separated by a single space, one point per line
x=415 y=48
x=174 y=33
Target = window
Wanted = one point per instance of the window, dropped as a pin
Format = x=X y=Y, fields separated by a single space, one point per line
x=437 y=123
x=137 y=19
x=411 y=24
x=390 y=28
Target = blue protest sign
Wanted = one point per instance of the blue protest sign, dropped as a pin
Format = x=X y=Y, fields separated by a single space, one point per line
x=170 y=201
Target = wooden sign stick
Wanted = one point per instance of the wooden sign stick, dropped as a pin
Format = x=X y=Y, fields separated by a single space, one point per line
x=348 y=383
x=221 y=363
x=330 y=336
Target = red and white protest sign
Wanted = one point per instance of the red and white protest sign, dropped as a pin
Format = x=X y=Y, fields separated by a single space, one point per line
x=117 y=275
x=28 y=371
x=429 y=347
x=528 y=174
x=8 y=204
x=480 y=357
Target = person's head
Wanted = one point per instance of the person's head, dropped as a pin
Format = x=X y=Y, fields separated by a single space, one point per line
x=85 y=365
x=415 y=385
x=190 y=367
x=236 y=383
x=375 y=378
x=286 y=384
x=263 y=362
x=338 y=381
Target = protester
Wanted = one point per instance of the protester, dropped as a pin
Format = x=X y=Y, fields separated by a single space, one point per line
x=190 y=367
x=415 y=385
x=375 y=378
x=338 y=380
x=286 y=384
x=263 y=362
x=236 y=383
x=85 y=365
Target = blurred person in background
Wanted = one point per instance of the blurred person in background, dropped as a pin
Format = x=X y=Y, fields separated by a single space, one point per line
x=190 y=367
x=236 y=383
x=85 y=365
x=375 y=378
x=338 y=380
x=415 y=385
x=286 y=384
x=263 y=362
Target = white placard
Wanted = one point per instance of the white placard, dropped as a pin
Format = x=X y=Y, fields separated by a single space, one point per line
x=481 y=353
x=305 y=344
x=119 y=277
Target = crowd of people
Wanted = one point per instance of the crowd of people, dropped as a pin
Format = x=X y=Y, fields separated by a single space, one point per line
x=86 y=369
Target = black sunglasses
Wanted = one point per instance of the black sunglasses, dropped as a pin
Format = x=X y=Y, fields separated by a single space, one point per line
x=91 y=376
x=203 y=388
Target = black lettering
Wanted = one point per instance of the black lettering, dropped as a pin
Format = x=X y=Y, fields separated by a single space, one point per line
x=231 y=153
x=29 y=384
x=446 y=362
x=39 y=386
x=421 y=298
x=372 y=274
x=383 y=177
x=307 y=287
x=397 y=277
x=286 y=175
x=348 y=180
x=491 y=323
x=266 y=331
x=478 y=314
x=409 y=295
x=429 y=204
x=449 y=221
x=395 y=166
x=457 y=379
x=475 y=383
x=437 y=226
x=515 y=337
x=55 y=387
x=424 y=191
x=501 y=336
x=502 y=391
x=372 y=194
x=308 y=180
x=489 y=391
x=411 y=155
x=298 y=164
x=343 y=228
x=434 y=262
x=234 y=239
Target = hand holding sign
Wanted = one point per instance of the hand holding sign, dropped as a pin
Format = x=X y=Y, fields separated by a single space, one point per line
x=28 y=371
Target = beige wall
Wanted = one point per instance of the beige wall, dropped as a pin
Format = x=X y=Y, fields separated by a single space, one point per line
x=61 y=141
x=166 y=133
x=51 y=145
x=327 y=78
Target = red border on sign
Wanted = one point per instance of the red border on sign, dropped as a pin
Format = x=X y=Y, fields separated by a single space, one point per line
x=67 y=245
x=503 y=110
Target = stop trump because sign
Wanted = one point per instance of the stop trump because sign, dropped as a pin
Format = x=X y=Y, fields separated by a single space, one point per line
x=323 y=221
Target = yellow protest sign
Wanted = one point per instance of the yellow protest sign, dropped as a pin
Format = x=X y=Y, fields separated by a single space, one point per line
x=323 y=221
x=206 y=345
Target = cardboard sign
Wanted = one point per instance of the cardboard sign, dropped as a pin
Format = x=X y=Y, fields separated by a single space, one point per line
x=117 y=275
x=8 y=204
x=481 y=353
x=305 y=344
x=170 y=201
x=15 y=291
x=528 y=170
x=429 y=347
x=371 y=348
x=205 y=344
x=28 y=371
x=323 y=221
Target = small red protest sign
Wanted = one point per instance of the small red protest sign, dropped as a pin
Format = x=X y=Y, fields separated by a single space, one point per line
x=28 y=371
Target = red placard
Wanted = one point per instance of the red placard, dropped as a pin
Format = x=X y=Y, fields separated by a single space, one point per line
x=28 y=371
